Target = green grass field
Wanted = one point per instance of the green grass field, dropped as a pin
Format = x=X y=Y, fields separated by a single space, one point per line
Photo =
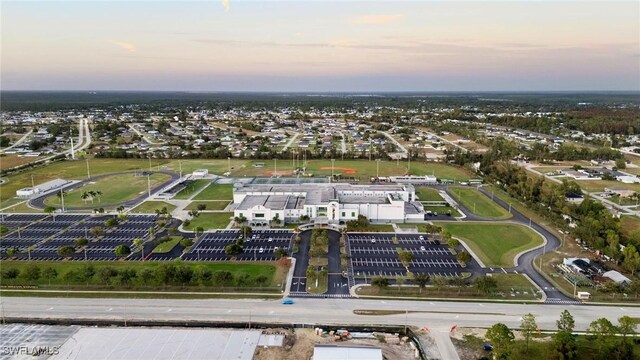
x=78 y=267
x=216 y=192
x=149 y=207
x=167 y=246
x=192 y=188
x=600 y=185
x=629 y=224
x=523 y=289
x=364 y=169
x=495 y=244
x=210 y=221
x=478 y=204
x=323 y=285
x=442 y=210
x=428 y=194
x=77 y=170
x=115 y=189
x=211 y=204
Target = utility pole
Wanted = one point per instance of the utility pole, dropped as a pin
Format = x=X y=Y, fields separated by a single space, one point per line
x=377 y=169
x=180 y=165
x=509 y=208
x=406 y=315
x=544 y=251
x=88 y=173
x=33 y=184
x=229 y=164
x=149 y=184
x=61 y=199
x=275 y=167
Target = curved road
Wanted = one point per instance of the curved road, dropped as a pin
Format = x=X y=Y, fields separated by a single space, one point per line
x=38 y=202
x=525 y=261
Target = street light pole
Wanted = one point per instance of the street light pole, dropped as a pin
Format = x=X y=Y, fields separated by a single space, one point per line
x=88 y=172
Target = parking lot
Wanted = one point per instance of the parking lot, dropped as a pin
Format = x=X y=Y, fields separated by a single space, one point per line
x=38 y=237
x=259 y=246
x=375 y=254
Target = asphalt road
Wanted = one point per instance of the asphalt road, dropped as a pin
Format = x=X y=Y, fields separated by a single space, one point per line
x=525 y=262
x=438 y=316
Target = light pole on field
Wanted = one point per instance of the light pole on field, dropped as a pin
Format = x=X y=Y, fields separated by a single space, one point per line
x=229 y=164
x=333 y=164
x=377 y=169
x=88 y=172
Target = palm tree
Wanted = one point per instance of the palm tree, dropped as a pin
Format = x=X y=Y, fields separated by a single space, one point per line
x=92 y=194
x=60 y=194
x=84 y=196
x=99 y=195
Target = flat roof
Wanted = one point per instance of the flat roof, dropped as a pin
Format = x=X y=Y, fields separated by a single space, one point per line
x=336 y=352
x=159 y=343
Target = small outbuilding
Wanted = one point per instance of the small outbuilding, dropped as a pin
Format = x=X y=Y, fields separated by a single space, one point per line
x=617 y=277
x=338 y=352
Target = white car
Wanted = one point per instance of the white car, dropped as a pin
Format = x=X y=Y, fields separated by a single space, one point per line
x=421 y=238
x=422 y=248
x=270 y=239
x=261 y=250
x=373 y=241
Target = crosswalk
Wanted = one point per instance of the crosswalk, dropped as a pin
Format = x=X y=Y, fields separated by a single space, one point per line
x=307 y=295
x=557 y=301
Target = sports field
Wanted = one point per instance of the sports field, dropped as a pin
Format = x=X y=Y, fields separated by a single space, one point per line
x=478 y=203
x=495 y=244
x=364 y=169
x=115 y=189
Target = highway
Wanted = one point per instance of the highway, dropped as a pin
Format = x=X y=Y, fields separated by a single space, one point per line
x=438 y=316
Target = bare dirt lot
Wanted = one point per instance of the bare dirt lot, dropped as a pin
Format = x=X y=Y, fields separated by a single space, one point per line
x=299 y=345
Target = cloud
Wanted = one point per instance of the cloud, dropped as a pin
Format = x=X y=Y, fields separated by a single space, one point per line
x=124 y=45
x=374 y=19
x=225 y=3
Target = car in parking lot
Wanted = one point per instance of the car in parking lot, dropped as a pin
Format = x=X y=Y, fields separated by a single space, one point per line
x=261 y=250
x=421 y=238
x=422 y=248
x=373 y=241
x=270 y=239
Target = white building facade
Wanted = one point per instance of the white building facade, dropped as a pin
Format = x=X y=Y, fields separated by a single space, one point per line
x=330 y=203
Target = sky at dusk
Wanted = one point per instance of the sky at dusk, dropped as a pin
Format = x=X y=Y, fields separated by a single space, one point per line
x=320 y=45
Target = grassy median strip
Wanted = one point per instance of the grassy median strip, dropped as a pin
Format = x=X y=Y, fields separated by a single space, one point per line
x=210 y=221
x=495 y=244
x=150 y=207
x=167 y=246
x=478 y=203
